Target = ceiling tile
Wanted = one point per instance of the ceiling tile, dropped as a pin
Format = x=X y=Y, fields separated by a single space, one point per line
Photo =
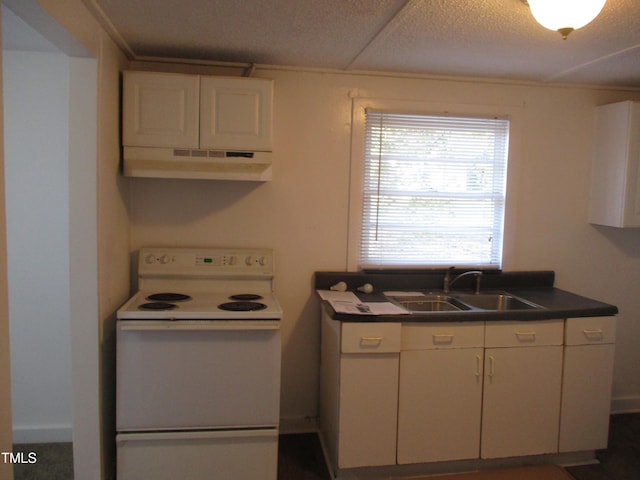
x=486 y=38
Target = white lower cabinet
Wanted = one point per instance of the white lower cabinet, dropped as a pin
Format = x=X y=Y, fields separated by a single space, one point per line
x=434 y=392
x=369 y=403
x=522 y=387
x=588 y=370
x=359 y=392
x=521 y=401
x=440 y=392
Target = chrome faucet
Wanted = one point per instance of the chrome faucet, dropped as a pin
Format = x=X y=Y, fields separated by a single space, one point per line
x=448 y=281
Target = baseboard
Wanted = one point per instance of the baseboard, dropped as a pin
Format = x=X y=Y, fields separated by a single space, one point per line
x=629 y=404
x=290 y=425
x=43 y=434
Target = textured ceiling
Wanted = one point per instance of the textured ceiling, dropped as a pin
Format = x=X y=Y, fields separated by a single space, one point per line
x=480 y=38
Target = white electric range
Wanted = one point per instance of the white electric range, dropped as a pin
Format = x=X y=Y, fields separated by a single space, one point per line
x=198 y=366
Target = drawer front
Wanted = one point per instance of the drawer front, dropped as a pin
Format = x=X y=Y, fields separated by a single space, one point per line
x=590 y=330
x=370 y=337
x=523 y=334
x=442 y=335
x=169 y=455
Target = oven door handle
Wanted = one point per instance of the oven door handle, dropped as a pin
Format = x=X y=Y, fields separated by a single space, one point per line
x=180 y=326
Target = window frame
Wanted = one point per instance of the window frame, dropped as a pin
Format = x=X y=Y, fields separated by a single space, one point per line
x=357 y=161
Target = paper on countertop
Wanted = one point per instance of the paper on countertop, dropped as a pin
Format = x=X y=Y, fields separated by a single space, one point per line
x=349 y=303
x=330 y=295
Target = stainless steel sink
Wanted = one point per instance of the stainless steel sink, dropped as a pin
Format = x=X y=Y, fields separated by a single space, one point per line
x=496 y=301
x=455 y=302
x=431 y=303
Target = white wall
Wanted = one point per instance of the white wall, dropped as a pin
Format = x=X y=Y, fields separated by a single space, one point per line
x=36 y=89
x=303 y=212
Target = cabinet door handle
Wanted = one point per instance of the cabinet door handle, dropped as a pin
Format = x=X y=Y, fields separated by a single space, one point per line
x=526 y=336
x=491 y=360
x=442 y=338
x=370 y=341
x=478 y=366
x=594 y=334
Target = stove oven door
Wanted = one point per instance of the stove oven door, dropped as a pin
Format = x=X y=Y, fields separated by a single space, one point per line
x=182 y=375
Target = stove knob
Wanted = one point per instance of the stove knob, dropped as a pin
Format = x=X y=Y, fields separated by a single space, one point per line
x=262 y=261
x=164 y=259
x=149 y=259
x=232 y=260
x=249 y=260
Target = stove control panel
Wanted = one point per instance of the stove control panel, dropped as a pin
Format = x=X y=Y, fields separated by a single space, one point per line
x=216 y=260
x=210 y=261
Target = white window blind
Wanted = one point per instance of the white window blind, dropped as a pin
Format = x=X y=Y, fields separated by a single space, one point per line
x=434 y=190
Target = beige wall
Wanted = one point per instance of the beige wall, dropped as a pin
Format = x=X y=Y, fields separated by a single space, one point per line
x=113 y=232
x=303 y=212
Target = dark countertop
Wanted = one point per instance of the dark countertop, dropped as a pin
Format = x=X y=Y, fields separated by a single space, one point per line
x=536 y=287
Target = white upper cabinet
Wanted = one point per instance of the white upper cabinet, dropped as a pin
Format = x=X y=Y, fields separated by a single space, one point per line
x=161 y=110
x=235 y=113
x=197 y=112
x=615 y=182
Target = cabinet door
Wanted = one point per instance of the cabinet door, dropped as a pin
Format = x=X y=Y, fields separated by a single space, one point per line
x=586 y=397
x=439 y=405
x=368 y=409
x=615 y=178
x=160 y=110
x=521 y=408
x=236 y=113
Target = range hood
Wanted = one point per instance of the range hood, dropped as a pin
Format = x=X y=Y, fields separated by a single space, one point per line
x=197 y=164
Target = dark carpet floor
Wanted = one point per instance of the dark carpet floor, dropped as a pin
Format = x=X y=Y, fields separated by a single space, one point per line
x=53 y=461
x=621 y=461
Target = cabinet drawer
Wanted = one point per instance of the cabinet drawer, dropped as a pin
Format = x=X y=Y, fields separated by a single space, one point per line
x=370 y=337
x=522 y=334
x=442 y=335
x=590 y=330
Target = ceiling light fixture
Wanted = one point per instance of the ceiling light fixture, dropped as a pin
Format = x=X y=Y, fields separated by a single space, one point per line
x=565 y=16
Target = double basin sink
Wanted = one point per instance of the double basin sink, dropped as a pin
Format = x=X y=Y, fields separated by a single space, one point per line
x=445 y=302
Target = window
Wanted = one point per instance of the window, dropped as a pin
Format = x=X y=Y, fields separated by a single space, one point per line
x=433 y=190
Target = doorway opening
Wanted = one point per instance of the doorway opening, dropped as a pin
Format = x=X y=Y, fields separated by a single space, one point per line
x=50 y=166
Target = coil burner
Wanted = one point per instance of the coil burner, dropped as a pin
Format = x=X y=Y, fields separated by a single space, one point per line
x=169 y=297
x=157 y=306
x=242 y=306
